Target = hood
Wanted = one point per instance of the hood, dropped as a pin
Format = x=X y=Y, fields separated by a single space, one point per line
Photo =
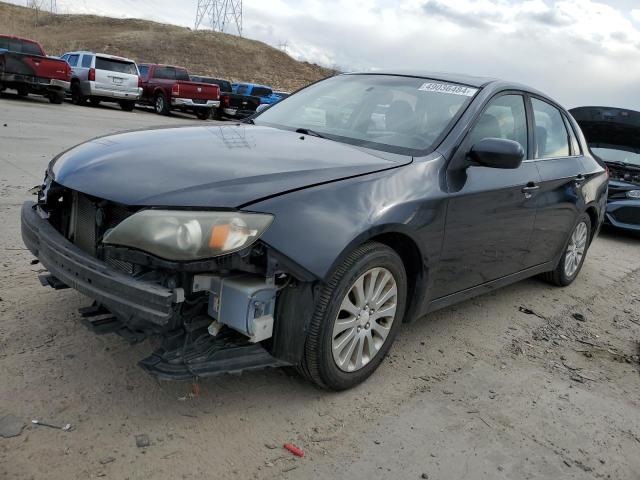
x=209 y=166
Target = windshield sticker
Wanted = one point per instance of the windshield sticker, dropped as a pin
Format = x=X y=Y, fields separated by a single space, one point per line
x=448 y=88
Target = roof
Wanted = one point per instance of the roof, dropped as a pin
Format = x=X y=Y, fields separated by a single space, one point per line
x=103 y=55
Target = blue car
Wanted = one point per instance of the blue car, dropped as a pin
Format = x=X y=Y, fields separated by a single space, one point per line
x=613 y=134
x=263 y=92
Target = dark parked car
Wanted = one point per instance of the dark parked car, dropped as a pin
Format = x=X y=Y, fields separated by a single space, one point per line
x=613 y=134
x=308 y=235
x=232 y=105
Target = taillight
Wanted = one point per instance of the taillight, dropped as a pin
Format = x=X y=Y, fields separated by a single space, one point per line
x=226 y=100
x=175 y=90
x=92 y=74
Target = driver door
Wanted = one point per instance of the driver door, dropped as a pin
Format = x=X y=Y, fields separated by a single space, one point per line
x=491 y=213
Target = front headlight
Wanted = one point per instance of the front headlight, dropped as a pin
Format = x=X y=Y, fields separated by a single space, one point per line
x=635 y=194
x=188 y=235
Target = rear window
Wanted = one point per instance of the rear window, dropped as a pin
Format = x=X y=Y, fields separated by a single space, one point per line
x=261 y=91
x=118 y=66
x=20 y=46
x=223 y=84
x=144 y=71
x=182 y=75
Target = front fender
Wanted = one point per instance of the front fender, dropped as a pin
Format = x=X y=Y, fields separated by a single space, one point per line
x=316 y=227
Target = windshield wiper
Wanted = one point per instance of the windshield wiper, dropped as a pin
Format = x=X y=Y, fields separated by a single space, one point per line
x=307 y=131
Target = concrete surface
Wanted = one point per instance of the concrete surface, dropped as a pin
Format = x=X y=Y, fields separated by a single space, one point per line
x=480 y=390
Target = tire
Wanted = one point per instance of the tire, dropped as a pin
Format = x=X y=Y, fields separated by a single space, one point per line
x=127 y=105
x=22 y=91
x=217 y=114
x=56 y=97
x=320 y=364
x=203 y=113
x=563 y=275
x=160 y=104
x=77 y=98
x=94 y=101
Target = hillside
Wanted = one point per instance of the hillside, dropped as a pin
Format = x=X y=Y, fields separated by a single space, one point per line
x=202 y=52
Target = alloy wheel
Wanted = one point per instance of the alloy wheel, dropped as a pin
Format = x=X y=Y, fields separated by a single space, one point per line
x=159 y=104
x=364 y=319
x=575 y=249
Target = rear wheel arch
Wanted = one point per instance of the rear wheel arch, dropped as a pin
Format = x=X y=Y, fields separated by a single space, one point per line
x=592 y=211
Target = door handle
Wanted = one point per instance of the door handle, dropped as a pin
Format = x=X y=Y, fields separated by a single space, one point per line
x=529 y=189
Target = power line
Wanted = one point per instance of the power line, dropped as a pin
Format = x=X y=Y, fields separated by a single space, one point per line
x=219 y=15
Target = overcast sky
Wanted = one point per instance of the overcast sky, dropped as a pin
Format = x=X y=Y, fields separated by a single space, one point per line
x=582 y=52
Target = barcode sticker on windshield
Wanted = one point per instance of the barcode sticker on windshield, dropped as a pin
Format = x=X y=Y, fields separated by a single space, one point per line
x=448 y=88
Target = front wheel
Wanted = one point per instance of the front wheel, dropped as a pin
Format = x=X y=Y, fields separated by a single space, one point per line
x=356 y=319
x=574 y=254
x=56 y=97
x=127 y=105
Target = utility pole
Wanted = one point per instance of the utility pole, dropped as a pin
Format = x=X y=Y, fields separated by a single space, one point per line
x=219 y=15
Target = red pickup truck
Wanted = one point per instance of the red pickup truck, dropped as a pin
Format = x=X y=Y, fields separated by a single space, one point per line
x=167 y=88
x=25 y=67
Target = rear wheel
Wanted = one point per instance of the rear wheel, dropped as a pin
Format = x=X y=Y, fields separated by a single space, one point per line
x=574 y=254
x=23 y=91
x=127 y=105
x=94 y=101
x=160 y=104
x=76 y=95
x=356 y=319
x=203 y=113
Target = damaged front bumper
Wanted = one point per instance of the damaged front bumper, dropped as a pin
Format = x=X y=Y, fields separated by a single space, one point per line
x=124 y=296
x=241 y=305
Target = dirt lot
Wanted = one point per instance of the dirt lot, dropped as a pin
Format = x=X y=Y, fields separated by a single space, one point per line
x=508 y=385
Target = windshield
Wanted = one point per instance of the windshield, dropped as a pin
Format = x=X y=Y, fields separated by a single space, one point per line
x=118 y=66
x=397 y=114
x=613 y=155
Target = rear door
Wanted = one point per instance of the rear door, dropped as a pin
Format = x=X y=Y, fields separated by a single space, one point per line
x=115 y=74
x=559 y=162
x=491 y=212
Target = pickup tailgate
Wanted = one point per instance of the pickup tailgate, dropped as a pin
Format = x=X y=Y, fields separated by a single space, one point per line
x=196 y=91
x=243 y=102
x=35 y=65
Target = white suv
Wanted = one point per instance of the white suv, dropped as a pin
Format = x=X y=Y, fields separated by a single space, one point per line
x=100 y=77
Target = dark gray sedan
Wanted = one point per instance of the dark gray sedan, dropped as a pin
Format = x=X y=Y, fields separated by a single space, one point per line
x=309 y=234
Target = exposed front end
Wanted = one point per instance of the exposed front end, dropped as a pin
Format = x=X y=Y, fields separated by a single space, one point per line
x=212 y=315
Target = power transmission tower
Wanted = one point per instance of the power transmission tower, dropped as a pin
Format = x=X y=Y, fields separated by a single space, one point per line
x=53 y=7
x=219 y=15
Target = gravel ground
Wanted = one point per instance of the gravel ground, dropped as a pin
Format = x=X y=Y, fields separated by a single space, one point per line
x=508 y=385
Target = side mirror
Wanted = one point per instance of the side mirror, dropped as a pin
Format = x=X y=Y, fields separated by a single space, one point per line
x=497 y=153
x=262 y=107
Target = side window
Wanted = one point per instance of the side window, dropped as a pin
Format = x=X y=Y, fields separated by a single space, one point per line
x=552 y=139
x=86 y=61
x=575 y=145
x=73 y=60
x=504 y=117
x=166 y=73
